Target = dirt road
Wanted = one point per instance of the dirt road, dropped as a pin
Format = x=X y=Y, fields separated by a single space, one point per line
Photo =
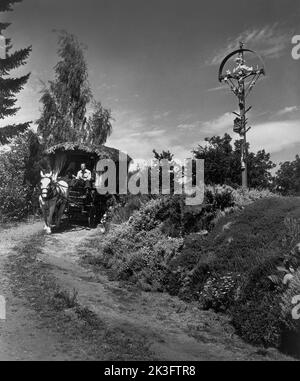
x=58 y=309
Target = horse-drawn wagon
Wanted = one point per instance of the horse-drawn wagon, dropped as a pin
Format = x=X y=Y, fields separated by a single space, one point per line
x=81 y=204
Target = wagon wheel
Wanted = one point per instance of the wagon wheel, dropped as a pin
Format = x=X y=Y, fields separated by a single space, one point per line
x=92 y=217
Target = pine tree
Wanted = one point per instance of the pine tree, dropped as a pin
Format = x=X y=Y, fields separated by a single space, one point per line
x=10 y=87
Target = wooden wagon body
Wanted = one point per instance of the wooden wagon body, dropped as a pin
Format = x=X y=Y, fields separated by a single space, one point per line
x=65 y=160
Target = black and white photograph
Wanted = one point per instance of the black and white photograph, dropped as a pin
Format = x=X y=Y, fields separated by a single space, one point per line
x=150 y=183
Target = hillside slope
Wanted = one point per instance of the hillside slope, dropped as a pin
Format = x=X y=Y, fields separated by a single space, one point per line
x=230 y=270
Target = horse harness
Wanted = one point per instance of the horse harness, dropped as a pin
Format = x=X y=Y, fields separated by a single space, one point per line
x=54 y=190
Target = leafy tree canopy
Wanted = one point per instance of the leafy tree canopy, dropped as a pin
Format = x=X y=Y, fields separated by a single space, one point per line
x=287 y=179
x=164 y=155
x=65 y=100
x=222 y=163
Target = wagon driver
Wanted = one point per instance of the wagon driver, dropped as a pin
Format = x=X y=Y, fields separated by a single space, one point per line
x=84 y=175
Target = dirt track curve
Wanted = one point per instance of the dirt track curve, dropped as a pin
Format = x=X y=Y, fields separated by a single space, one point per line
x=119 y=322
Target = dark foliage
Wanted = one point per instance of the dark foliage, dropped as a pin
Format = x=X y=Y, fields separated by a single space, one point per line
x=6 y=5
x=19 y=173
x=8 y=132
x=223 y=163
x=11 y=86
x=287 y=179
x=65 y=101
x=229 y=271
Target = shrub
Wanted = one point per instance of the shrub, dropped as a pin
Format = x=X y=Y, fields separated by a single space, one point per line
x=19 y=175
x=243 y=197
x=16 y=195
x=287 y=304
x=138 y=256
x=257 y=321
x=220 y=292
x=122 y=207
x=256 y=313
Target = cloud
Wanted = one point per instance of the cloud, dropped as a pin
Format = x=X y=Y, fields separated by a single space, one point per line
x=188 y=126
x=136 y=136
x=154 y=133
x=162 y=115
x=274 y=136
x=219 y=124
x=288 y=110
x=269 y=41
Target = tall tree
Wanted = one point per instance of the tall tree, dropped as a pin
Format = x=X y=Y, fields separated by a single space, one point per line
x=164 y=155
x=222 y=163
x=287 y=179
x=66 y=99
x=10 y=86
x=217 y=155
x=98 y=127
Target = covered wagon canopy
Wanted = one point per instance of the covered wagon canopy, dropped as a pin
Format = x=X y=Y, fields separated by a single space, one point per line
x=101 y=151
x=67 y=157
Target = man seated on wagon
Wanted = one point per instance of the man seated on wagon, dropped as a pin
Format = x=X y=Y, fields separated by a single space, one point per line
x=85 y=176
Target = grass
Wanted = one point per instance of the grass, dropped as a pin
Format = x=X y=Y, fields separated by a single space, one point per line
x=244 y=240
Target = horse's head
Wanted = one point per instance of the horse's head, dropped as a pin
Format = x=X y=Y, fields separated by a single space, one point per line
x=45 y=184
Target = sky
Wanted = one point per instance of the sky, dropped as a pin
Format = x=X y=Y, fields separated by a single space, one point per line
x=155 y=64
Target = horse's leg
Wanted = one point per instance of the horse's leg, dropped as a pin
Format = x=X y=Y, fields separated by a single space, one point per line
x=52 y=204
x=45 y=219
x=43 y=208
x=63 y=189
x=60 y=213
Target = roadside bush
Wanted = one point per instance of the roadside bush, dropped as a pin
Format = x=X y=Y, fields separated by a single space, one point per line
x=256 y=313
x=287 y=305
x=220 y=292
x=138 y=256
x=243 y=197
x=122 y=207
x=16 y=194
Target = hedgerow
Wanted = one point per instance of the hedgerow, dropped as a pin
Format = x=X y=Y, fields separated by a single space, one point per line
x=18 y=198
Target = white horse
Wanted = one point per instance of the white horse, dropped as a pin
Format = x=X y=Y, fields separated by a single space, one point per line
x=53 y=198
